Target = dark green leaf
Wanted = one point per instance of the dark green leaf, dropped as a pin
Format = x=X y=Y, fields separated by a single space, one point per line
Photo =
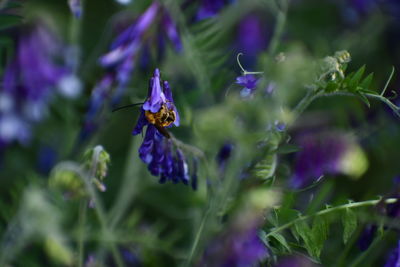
x=9 y=20
x=355 y=79
x=287 y=149
x=364 y=99
x=365 y=84
x=280 y=239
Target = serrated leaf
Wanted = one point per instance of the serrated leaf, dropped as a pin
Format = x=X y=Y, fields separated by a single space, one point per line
x=287 y=149
x=367 y=82
x=281 y=241
x=349 y=221
x=304 y=232
x=355 y=79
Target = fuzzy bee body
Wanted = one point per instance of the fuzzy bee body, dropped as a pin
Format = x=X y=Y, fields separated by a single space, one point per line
x=161 y=119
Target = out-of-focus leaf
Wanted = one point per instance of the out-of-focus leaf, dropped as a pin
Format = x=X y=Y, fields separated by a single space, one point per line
x=9 y=20
x=349 y=221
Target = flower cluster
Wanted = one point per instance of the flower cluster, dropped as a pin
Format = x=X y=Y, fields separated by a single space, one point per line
x=157 y=150
x=124 y=55
x=29 y=81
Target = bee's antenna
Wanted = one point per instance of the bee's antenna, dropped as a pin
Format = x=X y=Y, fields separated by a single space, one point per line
x=127 y=106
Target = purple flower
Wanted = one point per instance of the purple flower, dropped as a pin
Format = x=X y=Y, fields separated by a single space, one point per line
x=30 y=81
x=157 y=149
x=122 y=59
x=249 y=82
x=236 y=249
x=367 y=236
x=76 y=7
x=326 y=153
x=394 y=257
x=210 y=8
x=223 y=155
x=294 y=261
x=252 y=37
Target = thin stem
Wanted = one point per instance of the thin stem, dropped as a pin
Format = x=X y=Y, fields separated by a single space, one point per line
x=82 y=233
x=279 y=26
x=329 y=210
x=197 y=237
x=388 y=81
x=245 y=72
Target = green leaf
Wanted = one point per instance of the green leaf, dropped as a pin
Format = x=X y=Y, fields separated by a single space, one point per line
x=9 y=20
x=349 y=221
x=319 y=234
x=303 y=231
x=287 y=149
x=355 y=79
x=280 y=239
x=367 y=81
x=266 y=167
x=363 y=98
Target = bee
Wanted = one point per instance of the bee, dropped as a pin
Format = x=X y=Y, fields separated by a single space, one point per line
x=164 y=117
x=161 y=119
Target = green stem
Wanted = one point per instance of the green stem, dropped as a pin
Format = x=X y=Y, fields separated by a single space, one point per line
x=329 y=210
x=82 y=233
x=279 y=26
x=197 y=237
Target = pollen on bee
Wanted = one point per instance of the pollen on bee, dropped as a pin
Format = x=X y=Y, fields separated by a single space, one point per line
x=162 y=118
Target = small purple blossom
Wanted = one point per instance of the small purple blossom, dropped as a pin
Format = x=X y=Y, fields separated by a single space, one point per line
x=249 y=82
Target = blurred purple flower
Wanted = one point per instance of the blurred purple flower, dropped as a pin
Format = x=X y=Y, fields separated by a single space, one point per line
x=394 y=257
x=30 y=81
x=252 y=37
x=295 y=261
x=210 y=8
x=324 y=154
x=123 y=57
x=367 y=236
x=223 y=155
x=76 y=7
x=157 y=149
x=236 y=249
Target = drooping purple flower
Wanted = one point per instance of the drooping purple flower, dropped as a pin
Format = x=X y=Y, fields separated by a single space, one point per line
x=326 y=154
x=394 y=257
x=124 y=55
x=30 y=80
x=157 y=150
